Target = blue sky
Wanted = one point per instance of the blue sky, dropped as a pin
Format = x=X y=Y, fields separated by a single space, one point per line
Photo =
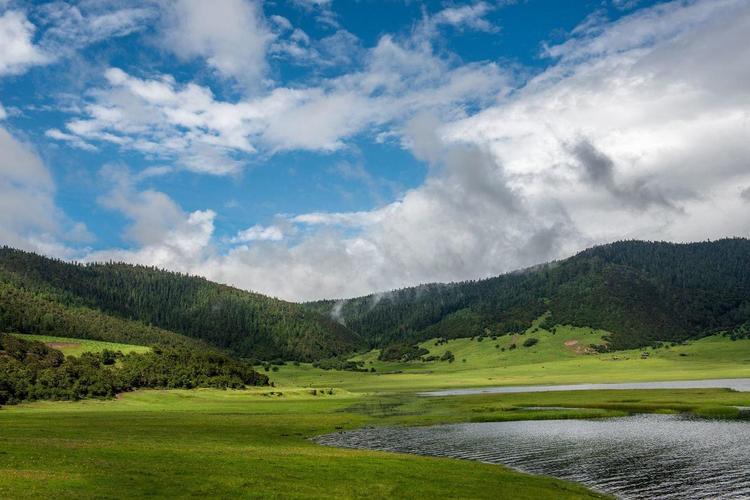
x=315 y=148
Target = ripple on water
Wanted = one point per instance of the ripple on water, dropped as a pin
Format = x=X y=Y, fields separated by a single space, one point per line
x=643 y=456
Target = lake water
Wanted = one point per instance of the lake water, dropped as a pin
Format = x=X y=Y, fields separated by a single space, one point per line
x=738 y=384
x=642 y=456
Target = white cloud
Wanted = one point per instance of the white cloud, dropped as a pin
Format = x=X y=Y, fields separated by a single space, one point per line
x=187 y=123
x=163 y=233
x=259 y=233
x=70 y=27
x=466 y=16
x=182 y=248
x=62 y=28
x=17 y=41
x=74 y=140
x=637 y=133
x=231 y=36
x=29 y=217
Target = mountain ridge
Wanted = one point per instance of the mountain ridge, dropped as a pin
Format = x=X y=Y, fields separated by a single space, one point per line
x=247 y=324
x=641 y=291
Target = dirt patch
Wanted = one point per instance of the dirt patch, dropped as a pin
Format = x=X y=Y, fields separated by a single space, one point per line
x=62 y=345
x=576 y=347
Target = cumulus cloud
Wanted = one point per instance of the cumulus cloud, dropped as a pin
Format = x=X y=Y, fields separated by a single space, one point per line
x=632 y=132
x=232 y=36
x=17 y=41
x=164 y=235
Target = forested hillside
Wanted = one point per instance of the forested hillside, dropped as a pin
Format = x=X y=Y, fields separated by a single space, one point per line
x=125 y=303
x=642 y=292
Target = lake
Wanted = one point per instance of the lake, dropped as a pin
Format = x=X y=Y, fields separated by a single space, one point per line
x=737 y=384
x=641 y=456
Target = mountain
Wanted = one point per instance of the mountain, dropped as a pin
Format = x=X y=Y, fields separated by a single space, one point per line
x=126 y=303
x=642 y=292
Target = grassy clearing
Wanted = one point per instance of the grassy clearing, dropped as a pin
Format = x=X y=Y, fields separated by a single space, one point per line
x=555 y=359
x=229 y=444
x=75 y=347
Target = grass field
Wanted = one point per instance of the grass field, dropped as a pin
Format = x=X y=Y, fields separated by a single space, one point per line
x=228 y=444
x=255 y=443
x=74 y=347
x=556 y=359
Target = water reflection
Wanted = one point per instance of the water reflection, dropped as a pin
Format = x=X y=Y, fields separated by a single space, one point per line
x=644 y=456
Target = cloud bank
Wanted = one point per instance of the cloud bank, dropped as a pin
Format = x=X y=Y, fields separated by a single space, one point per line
x=637 y=128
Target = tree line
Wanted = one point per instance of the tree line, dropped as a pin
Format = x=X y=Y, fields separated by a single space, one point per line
x=30 y=371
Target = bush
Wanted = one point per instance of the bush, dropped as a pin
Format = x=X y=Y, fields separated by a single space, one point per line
x=447 y=356
x=340 y=363
x=530 y=342
x=402 y=352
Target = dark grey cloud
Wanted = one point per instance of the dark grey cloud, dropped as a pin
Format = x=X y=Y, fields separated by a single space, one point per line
x=598 y=170
x=745 y=194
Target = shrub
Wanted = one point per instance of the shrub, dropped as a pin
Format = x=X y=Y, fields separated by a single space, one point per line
x=447 y=356
x=402 y=352
x=530 y=342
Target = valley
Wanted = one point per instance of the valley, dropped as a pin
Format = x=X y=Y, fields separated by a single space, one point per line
x=136 y=381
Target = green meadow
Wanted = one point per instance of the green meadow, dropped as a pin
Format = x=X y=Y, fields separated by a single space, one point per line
x=256 y=443
x=227 y=444
x=75 y=347
x=560 y=358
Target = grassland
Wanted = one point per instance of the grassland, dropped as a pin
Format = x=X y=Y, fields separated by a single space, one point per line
x=75 y=347
x=228 y=444
x=255 y=443
x=559 y=358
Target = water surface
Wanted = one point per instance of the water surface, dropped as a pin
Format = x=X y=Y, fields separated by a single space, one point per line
x=737 y=384
x=643 y=456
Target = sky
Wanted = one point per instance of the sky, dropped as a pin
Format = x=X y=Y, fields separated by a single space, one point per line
x=312 y=149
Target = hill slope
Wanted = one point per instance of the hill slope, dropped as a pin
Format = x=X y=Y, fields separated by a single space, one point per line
x=642 y=292
x=48 y=296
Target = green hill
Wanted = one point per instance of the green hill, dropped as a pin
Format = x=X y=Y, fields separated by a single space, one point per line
x=137 y=304
x=641 y=292
x=75 y=347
